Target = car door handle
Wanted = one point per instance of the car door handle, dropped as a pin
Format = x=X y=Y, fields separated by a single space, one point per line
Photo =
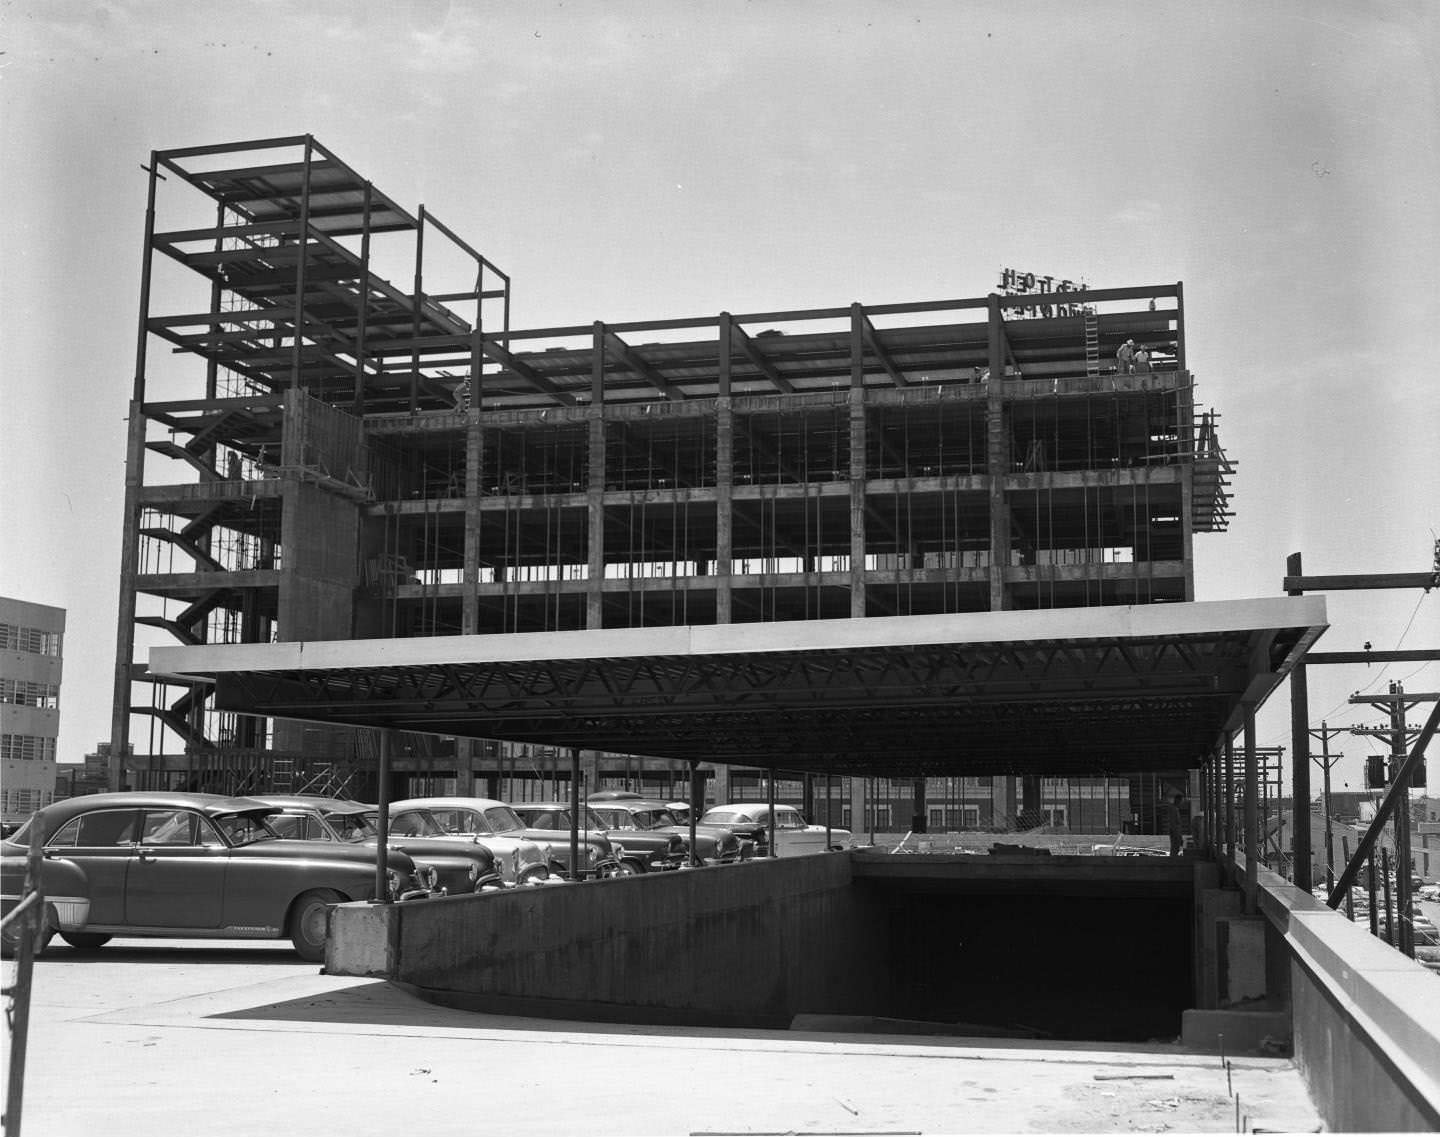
x=148 y=858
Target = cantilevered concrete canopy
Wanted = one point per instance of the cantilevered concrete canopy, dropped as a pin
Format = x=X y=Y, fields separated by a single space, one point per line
x=1077 y=690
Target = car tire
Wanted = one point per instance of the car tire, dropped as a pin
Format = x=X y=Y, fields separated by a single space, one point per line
x=85 y=941
x=630 y=868
x=310 y=924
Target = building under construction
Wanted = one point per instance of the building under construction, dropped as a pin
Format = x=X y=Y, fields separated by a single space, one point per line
x=335 y=434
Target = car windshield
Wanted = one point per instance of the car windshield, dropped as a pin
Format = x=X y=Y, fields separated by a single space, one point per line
x=244 y=828
x=593 y=819
x=654 y=818
x=614 y=818
x=353 y=827
x=488 y=821
x=536 y=817
x=503 y=819
x=413 y=823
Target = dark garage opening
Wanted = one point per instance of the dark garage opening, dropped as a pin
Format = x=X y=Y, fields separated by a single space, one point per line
x=1069 y=967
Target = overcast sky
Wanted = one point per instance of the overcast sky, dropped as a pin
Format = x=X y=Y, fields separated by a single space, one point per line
x=632 y=160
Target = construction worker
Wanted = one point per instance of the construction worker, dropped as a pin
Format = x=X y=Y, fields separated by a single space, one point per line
x=1173 y=824
x=1142 y=359
x=1125 y=358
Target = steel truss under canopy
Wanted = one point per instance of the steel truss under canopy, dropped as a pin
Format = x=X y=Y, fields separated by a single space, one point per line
x=1074 y=691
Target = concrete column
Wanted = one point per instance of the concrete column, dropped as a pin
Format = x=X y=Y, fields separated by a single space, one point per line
x=1187 y=525
x=857 y=501
x=724 y=508
x=1030 y=803
x=997 y=459
x=129 y=566
x=857 y=805
x=722 y=784
x=595 y=490
x=474 y=460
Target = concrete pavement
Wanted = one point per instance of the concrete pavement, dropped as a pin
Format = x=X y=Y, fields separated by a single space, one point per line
x=184 y=1038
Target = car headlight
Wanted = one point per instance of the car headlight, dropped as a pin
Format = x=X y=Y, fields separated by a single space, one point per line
x=473 y=872
x=617 y=850
x=427 y=876
x=395 y=882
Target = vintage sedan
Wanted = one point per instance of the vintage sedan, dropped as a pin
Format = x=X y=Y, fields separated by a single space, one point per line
x=192 y=865
x=638 y=851
x=461 y=865
x=492 y=824
x=626 y=814
x=793 y=838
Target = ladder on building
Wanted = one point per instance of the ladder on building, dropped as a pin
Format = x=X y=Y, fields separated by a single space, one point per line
x=1092 y=341
x=282 y=774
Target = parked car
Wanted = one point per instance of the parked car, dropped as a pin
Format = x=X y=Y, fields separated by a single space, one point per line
x=192 y=865
x=599 y=855
x=793 y=837
x=492 y=824
x=461 y=866
x=626 y=814
x=638 y=851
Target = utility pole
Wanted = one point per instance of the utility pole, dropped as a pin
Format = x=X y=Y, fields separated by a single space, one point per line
x=1327 y=760
x=1395 y=704
x=1297 y=584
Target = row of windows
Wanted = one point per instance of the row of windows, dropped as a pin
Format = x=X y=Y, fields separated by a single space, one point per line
x=27 y=748
x=14 y=802
x=24 y=693
x=34 y=640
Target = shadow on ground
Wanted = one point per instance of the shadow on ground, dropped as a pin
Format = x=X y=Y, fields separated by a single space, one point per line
x=380 y=1003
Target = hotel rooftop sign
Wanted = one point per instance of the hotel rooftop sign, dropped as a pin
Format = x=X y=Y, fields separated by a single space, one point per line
x=1013 y=282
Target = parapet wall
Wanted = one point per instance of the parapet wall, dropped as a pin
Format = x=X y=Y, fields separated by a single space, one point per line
x=751 y=944
x=1366 y=1018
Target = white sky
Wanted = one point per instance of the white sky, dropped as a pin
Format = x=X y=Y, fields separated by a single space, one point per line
x=641 y=160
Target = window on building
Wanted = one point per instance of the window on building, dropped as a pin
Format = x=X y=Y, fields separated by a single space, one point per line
x=951 y=818
x=13 y=637
x=19 y=802
x=27 y=748
x=23 y=693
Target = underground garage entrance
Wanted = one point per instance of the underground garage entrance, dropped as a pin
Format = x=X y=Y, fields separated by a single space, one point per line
x=1075 y=957
x=1065 y=948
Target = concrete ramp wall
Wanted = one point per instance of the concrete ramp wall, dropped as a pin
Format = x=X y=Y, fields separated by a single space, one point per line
x=1366 y=1018
x=751 y=944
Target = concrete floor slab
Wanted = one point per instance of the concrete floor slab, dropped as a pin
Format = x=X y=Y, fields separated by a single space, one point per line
x=156 y=1038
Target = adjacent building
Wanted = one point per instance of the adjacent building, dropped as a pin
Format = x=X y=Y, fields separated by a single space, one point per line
x=32 y=639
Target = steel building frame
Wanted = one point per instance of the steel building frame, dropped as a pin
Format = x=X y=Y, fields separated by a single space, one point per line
x=357 y=458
